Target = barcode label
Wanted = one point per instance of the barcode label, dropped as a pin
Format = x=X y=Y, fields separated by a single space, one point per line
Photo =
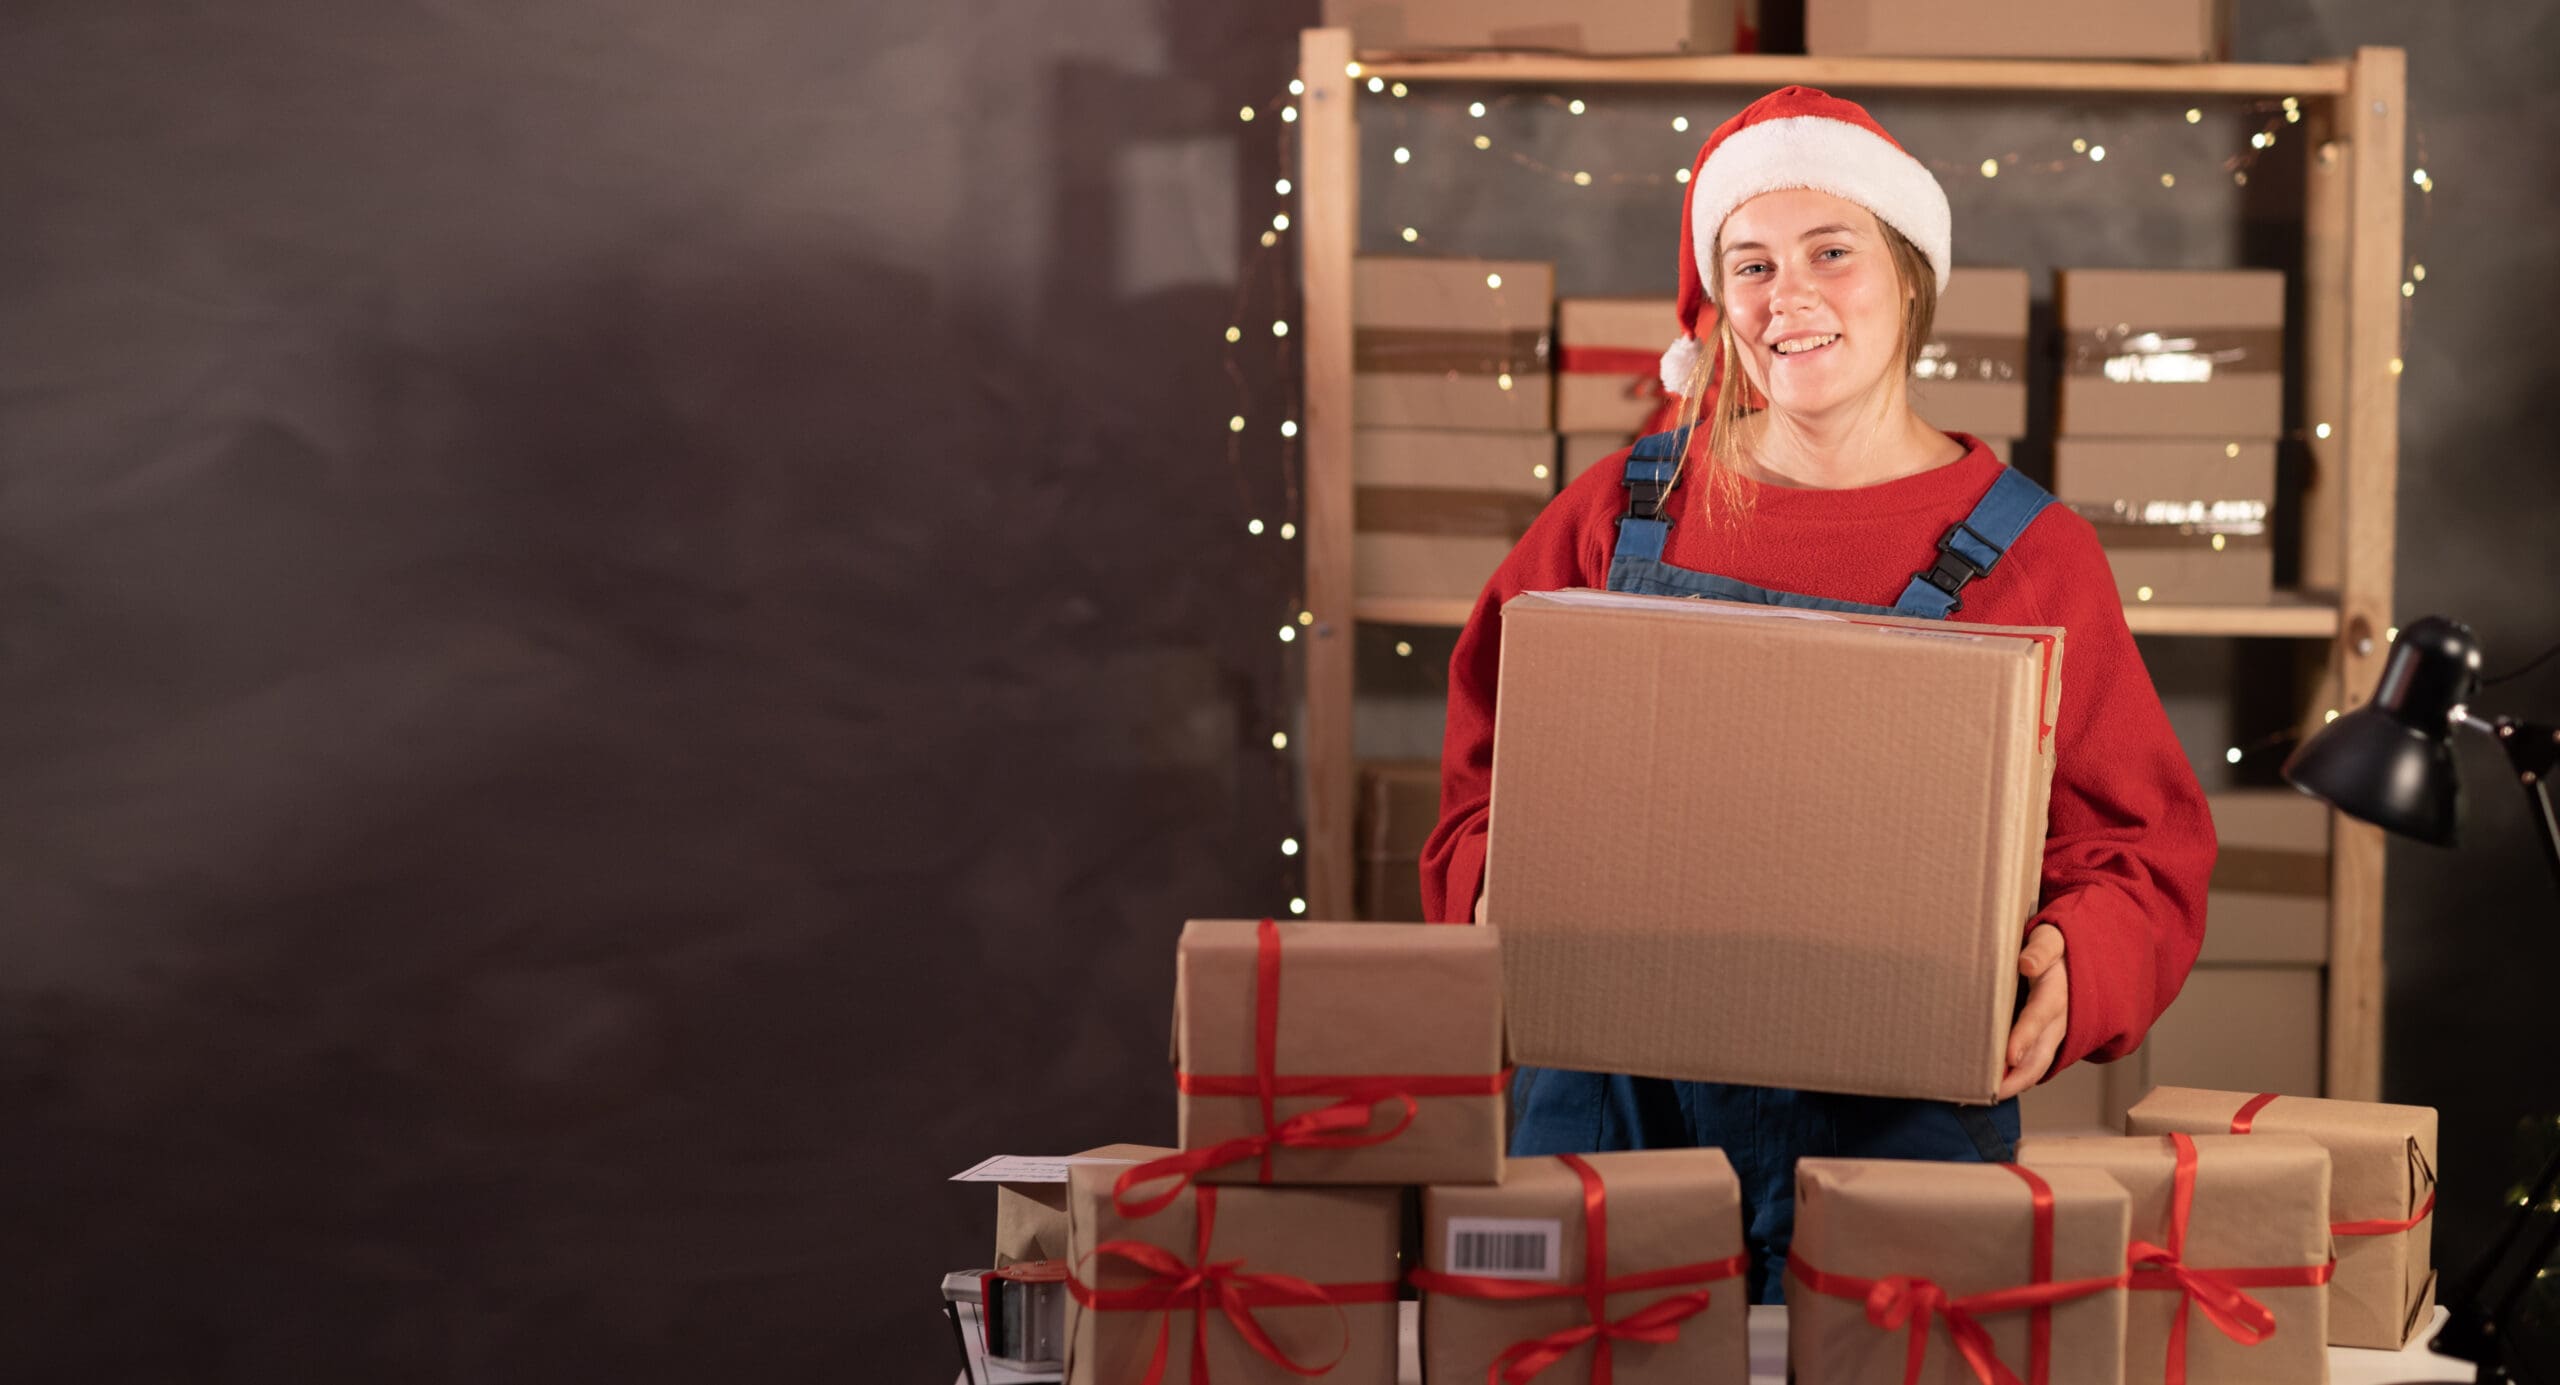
x=1505 y=1247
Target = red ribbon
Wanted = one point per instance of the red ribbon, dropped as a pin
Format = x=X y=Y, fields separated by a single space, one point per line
x=1223 y=1286
x=2219 y=1292
x=1655 y=1323
x=1901 y=1300
x=1644 y=368
x=1343 y=1125
x=2379 y=1226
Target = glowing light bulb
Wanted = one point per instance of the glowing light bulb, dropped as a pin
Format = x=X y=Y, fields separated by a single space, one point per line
x=2320 y=430
x=1296 y=87
x=2194 y=115
x=1493 y=281
x=2079 y=146
x=1680 y=175
x=1297 y=906
x=1377 y=84
x=1288 y=846
x=1288 y=530
x=1281 y=187
x=1235 y=334
x=1306 y=617
x=1539 y=471
x=2168 y=180
x=2396 y=366
x=1279 y=740
x=2097 y=153
x=1236 y=424
x=1990 y=168
x=2418 y=272
x=1397 y=90
x=2142 y=593
x=1279 y=329
x=1404 y=649
x=2418 y=176
x=1581 y=180
x=1351 y=70
x=1289 y=428
x=2232 y=755
x=1288 y=114
x=1245 y=113
x=1280 y=221
x=1411 y=235
x=1680 y=122
x=1476 y=109
x=1575 y=105
x=1403 y=155
x=1253 y=526
x=1484 y=142
x=1504 y=379
x=1288 y=633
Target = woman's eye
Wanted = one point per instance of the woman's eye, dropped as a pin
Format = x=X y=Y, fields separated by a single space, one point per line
x=1834 y=250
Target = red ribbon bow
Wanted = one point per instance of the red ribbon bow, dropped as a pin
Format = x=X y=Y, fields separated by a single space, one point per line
x=1343 y=1125
x=1900 y=1300
x=1655 y=1323
x=2219 y=1292
x=1224 y=1287
x=2378 y=1226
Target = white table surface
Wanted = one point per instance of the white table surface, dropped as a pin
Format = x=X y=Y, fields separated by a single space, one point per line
x=2347 y=1365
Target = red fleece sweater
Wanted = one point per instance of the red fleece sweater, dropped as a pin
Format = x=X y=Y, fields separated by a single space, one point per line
x=2129 y=845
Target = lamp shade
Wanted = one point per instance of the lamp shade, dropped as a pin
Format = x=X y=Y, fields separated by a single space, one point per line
x=2390 y=762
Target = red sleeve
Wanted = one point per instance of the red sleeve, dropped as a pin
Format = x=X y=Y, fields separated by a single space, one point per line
x=1563 y=548
x=2129 y=844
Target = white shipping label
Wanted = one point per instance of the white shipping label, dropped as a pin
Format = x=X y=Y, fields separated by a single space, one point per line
x=1506 y=1247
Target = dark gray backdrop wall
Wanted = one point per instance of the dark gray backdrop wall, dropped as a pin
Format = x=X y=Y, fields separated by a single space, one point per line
x=624 y=630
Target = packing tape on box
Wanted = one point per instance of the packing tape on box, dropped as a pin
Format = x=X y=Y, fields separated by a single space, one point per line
x=2129 y=356
x=1981 y=359
x=1654 y=1324
x=1441 y=351
x=1899 y=1301
x=2222 y=1293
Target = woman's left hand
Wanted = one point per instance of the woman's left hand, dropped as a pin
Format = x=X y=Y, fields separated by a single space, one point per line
x=2037 y=1035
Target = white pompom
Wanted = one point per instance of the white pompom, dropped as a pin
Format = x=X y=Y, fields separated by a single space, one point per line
x=1678 y=364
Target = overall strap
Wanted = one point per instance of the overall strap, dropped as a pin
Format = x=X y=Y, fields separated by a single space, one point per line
x=1974 y=546
x=1650 y=468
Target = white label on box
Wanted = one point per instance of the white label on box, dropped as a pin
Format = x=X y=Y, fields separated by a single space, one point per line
x=1026 y=1168
x=1506 y=1247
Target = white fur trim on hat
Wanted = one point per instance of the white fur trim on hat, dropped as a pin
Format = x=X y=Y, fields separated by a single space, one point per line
x=1826 y=155
x=1678 y=364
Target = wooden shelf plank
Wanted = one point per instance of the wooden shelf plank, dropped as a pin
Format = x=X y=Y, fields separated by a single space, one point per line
x=1914 y=74
x=2292 y=618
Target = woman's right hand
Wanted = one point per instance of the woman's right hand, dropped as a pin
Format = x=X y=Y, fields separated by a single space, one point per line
x=1479 y=906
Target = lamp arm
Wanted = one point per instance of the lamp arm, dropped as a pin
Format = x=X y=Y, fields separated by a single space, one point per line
x=2533 y=751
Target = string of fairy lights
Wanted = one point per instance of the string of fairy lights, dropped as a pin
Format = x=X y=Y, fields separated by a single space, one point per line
x=1265 y=284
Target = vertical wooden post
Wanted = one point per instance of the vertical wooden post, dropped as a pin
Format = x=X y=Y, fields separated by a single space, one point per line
x=1329 y=208
x=2376 y=122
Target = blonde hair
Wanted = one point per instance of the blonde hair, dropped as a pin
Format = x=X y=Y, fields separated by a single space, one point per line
x=1726 y=494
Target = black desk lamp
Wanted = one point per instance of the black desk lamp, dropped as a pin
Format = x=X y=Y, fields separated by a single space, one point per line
x=2390 y=762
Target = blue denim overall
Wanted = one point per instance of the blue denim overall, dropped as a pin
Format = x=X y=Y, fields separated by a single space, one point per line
x=1763 y=1130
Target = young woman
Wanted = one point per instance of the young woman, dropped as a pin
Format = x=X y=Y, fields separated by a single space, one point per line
x=1823 y=246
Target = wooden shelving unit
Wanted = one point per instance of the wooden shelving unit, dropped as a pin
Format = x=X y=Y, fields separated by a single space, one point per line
x=2353 y=115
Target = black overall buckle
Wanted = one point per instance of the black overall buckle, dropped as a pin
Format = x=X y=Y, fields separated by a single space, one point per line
x=1951 y=570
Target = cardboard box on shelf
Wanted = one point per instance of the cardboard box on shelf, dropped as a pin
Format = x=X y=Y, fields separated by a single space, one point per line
x=1399 y=805
x=2158 y=353
x=1397 y=1027
x=2259 y=1209
x=1972 y=373
x=1812 y=931
x=2180 y=31
x=2270 y=894
x=1341 y=1242
x=1968 y=1230
x=2182 y=520
x=1610 y=28
x=1579 y=452
x=1435 y=511
x=1669 y=1235
x=1609 y=362
x=1443 y=343
x=2382 y=1189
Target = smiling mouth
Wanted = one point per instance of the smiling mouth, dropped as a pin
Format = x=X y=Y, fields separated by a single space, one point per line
x=1804 y=346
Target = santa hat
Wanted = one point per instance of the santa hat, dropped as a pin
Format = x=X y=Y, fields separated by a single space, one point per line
x=1797 y=137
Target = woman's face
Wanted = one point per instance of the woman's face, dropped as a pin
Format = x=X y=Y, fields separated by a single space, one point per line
x=1810 y=290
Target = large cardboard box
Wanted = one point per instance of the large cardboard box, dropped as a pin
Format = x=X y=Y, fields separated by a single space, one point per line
x=1972 y=373
x=2182 y=519
x=1968 y=1229
x=1439 y=343
x=2177 y=31
x=1341 y=1241
x=1605 y=28
x=1435 y=511
x=1707 y=859
x=2382 y=1189
x=1399 y=806
x=1609 y=362
x=1670 y=1220
x=2258 y=1207
x=1391 y=1015
x=2159 y=353
x=2269 y=904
